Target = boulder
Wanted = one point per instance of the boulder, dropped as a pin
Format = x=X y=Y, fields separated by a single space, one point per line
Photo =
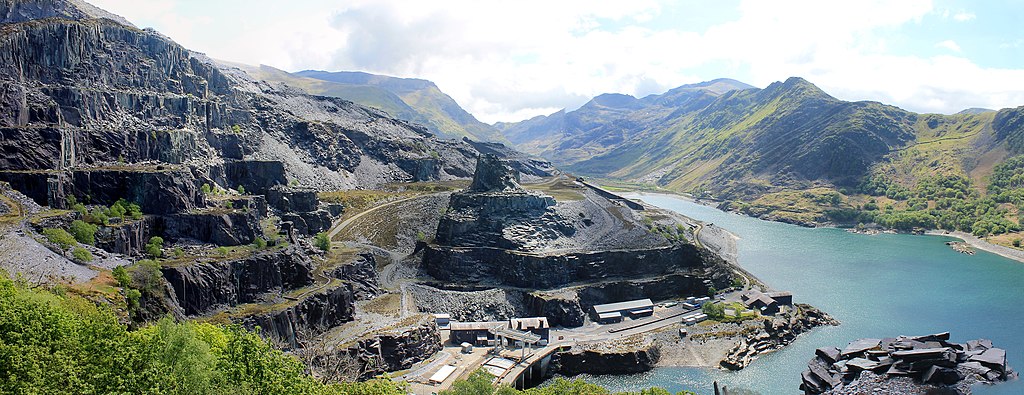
x=935 y=363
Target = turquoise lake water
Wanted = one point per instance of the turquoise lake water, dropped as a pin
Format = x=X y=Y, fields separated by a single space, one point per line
x=877 y=286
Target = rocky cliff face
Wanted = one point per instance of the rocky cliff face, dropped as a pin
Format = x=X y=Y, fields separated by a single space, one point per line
x=507 y=267
x=310 y=316
x=396 y=349
x=200 y=287
x=361 y=276
x=632 y=355
x=217 y=226
x=91 y=106
x=128 y=238
x=561 y=310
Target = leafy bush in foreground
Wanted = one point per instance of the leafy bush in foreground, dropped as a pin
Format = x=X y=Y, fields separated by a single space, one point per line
x=53 y=344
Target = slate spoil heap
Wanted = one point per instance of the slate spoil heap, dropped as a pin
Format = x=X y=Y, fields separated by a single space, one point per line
x=906 y=365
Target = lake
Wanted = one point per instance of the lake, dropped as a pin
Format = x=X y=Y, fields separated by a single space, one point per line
x=876 y=285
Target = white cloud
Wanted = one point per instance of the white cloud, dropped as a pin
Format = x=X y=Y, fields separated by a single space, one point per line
x=964 y=16
x=950 y=45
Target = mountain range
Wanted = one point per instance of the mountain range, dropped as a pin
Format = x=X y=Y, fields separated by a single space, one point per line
x=730 y=140
x=411 y=99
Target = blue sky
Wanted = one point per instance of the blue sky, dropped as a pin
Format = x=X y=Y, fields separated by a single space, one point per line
x=507 y=61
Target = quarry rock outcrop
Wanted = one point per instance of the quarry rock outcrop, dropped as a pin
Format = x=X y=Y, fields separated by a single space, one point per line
x=202 y=286
x=361 y=276
x=127 y=238
x=560 y=310
x=312 y=315
x=218 y=226
x=397 y=348
x=508 y=267
x=495 y=202
x=626 y=356
x=492 y=175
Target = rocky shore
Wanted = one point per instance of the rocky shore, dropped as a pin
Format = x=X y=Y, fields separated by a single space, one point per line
x=974 y=242
x=734 y=345
x=905 y=365
x=776 y=333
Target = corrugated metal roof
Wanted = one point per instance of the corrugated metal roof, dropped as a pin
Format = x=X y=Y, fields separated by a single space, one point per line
x=442 y=374
x=475 y=326
x=620 y=306
x=649 y=310
x=523 y=324
x=500 y=363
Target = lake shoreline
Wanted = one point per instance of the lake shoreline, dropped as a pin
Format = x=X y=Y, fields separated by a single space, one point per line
x=973 y=241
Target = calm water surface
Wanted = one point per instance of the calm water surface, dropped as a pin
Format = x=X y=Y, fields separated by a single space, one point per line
x=877 y=286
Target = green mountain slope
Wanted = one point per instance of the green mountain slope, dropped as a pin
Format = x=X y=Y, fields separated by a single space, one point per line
x=431 y=107
x=608 y=121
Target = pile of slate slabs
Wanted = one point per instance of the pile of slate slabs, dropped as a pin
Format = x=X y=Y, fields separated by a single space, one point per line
x=931 y=359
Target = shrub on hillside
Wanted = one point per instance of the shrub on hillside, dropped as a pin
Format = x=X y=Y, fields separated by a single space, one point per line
x=60 y=237
x=81 y=255
x=83 y=231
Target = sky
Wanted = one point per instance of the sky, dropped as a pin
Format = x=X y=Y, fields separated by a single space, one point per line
x=513 y=60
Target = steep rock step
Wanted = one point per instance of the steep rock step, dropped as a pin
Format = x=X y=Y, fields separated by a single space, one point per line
x=201 y=286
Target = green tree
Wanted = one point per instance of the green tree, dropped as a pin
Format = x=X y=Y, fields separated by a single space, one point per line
x=154 y=247
x=322 y=242
x=478 y=383
x=241 y=190
x=206 y=189
x=83 y=232
x=117 y=210
x=147 y=277
x=121 y=275
x=715 y=311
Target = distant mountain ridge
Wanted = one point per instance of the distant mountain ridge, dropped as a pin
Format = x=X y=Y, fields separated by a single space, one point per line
x=734 y=141
x=415 y=100
x=607 y=120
